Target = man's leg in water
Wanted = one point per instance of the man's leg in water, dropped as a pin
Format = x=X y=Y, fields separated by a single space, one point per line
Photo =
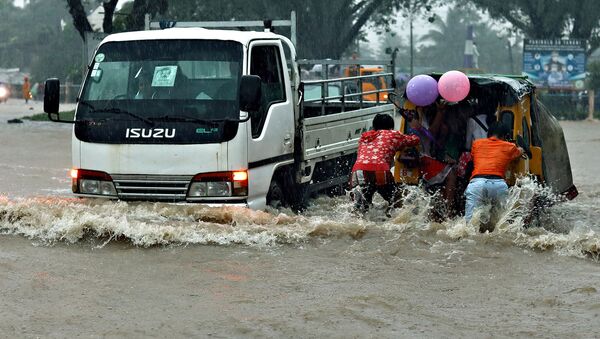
x=364 y=197
x=475 y=197
x=497 y=192
x=392 y=194
x=450 y=192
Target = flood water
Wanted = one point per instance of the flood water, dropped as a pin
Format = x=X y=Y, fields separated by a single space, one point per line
x=74 y=267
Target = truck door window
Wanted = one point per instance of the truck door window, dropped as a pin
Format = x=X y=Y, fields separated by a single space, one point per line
x=266 y=63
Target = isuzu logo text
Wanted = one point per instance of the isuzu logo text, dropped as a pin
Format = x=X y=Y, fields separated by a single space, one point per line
x=157 y=133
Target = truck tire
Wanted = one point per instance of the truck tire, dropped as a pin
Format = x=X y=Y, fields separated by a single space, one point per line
x=276 y=197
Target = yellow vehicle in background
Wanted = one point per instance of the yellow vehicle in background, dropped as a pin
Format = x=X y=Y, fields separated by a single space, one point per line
x=533 y=128
x=370 y=85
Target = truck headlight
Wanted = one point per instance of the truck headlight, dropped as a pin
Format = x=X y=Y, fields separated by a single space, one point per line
x=198 y=189
x=210 y=189
x=218 y=189
x=219 y=184
x=88 y=186
x=92 y=182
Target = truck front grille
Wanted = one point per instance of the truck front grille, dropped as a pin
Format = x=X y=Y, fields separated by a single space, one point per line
x=152 y=187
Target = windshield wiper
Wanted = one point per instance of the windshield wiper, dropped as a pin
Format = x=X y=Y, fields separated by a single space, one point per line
x=122 y=111
x=116 y=111
x=198 y=120
x=183 y=118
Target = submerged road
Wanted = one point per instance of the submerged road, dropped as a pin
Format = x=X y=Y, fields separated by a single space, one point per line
x=237 y=273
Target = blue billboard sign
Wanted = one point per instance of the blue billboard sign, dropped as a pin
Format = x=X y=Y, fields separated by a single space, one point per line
x=555 y=63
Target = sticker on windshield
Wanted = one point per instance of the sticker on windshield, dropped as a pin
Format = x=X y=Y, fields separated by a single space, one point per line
x=99 y=57
x=96 y=73
x=164 y=76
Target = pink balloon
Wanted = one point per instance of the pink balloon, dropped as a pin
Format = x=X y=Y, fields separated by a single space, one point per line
x=454 y=86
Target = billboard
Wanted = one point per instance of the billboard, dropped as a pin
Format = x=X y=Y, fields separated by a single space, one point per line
x=555 y=63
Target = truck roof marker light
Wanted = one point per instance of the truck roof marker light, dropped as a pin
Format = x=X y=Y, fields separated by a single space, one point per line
x=74 y=173
x=240 y=176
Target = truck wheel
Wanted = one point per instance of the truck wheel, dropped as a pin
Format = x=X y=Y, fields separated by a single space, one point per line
x=275 y=197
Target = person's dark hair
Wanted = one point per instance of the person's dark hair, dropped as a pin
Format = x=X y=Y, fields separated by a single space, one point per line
x=383 y=121
x=499 y=130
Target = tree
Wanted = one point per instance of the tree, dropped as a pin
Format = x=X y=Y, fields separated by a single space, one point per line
x=544 y=19
x=594 y=77
x=389 y=42
x=109 y=11
x=32 y=39
x=325 y=28
x=79 y=15
x=135 y=20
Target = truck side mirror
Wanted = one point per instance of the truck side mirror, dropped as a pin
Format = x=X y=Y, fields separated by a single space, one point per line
x=51 y=96
x=250 y=93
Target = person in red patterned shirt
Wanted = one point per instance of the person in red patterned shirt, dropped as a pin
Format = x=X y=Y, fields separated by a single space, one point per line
x=371 y=171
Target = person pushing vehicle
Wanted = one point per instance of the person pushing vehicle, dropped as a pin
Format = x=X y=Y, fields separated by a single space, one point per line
x=491 y=157
x=376 y=150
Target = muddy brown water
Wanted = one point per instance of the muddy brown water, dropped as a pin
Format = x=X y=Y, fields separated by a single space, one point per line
x=79 y=268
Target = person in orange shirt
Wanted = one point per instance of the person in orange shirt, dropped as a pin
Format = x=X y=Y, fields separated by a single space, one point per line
x=26 y=89
x=491 y=157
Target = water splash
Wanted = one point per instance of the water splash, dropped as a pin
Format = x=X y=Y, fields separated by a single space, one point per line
x=51 y=220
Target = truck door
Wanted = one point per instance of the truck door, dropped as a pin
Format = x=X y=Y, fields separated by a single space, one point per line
x=272 y=126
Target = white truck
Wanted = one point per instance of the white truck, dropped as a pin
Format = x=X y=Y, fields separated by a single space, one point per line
x=208 y=116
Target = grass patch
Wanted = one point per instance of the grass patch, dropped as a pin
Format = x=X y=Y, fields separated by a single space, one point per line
x=68 y=115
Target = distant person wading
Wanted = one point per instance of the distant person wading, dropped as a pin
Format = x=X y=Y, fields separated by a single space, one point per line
x=26 y=90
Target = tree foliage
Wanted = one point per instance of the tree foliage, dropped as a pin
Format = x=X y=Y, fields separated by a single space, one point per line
x=325 y=28
x=134 y=20
x=109 y=11
x=547 y=19
x=80 y=20
x=32 y=39
x=593 y=80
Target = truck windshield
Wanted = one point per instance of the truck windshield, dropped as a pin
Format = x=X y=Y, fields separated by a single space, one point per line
x=175 y=70
x=154 y=79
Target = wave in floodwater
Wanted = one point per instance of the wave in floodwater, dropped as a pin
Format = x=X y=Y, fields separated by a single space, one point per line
x=568 y=228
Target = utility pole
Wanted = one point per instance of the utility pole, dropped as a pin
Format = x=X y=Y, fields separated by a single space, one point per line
x=468 y=56
x=414 y=6
x=510 y=55
x=410 y=18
